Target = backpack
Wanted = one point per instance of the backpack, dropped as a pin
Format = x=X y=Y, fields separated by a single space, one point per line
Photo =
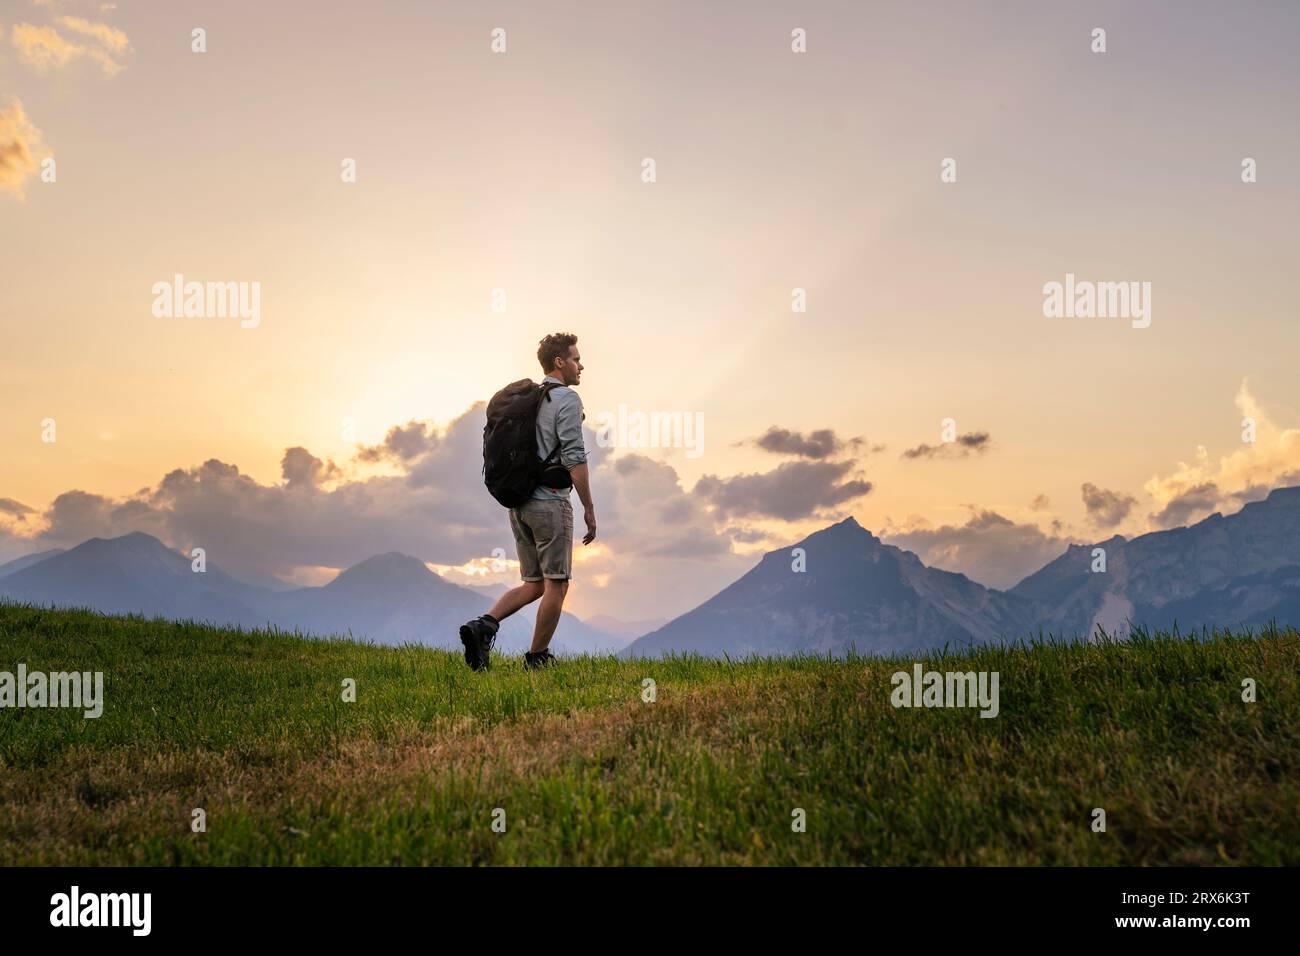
x=511 y=468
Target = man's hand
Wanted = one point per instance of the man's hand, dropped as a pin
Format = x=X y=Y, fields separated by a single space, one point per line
x=589 y=516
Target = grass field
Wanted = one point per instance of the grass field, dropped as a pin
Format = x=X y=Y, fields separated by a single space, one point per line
x=251 y=727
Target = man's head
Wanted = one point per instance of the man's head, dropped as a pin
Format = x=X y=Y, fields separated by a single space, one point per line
x=558 y=355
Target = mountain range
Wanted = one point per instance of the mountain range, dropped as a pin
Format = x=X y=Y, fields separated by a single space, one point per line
x=839 y=590
x=1243 y=569
x=389 y=598
x=857 y=593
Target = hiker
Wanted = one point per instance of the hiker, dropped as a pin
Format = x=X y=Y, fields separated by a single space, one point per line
x=533 y=456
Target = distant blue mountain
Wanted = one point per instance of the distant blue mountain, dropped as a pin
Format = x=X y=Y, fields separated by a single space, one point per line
x=1235 y=571
x=390 y=598
x=858 y=593
x=855 y=593
x=26 y=561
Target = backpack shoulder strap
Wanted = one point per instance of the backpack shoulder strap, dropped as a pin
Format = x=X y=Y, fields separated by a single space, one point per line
x=546 y=394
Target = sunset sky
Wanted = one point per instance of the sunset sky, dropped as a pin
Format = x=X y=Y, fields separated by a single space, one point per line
x=523 y=171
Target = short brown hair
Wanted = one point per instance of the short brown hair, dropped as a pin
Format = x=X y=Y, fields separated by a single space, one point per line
x=556 y=345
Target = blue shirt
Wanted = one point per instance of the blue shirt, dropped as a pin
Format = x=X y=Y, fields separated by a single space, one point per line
x=559 y=422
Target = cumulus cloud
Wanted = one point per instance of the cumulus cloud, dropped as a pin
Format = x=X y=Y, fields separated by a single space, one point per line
x=1106 y=509
x=1040 y=503
x=1194 y=502
x=819 y=444
x=20 y=148
x=403 y=443
x=302 y=469
x=988 y=548
x=77 y=515
x=655 y=538
x=1205 y=485
x=794 y=490
x=965 y=445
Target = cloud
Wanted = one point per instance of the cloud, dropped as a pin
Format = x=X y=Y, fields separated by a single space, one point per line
x=1196 y=501
x=1105 y=508
x=794 y=490
x=819 y=444
x=19 y=510
x=971 y=443
x=745 y=535
x=302 y=469
x=109 y=37
x=1260 y=492
x=651 y=515
x=20 y=148
x=656 y=541
x=1040 y=503
x=988 y=548
x=44 y=48
x=403 y=443
x=1196 y=489
x=77 y=515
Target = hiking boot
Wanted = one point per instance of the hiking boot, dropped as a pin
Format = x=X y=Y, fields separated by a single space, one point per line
x=542 y=658
x=477 y=636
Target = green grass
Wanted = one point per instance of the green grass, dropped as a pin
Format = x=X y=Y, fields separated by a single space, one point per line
x=251 y=728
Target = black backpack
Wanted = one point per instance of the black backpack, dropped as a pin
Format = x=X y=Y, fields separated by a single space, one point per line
x=511 y=468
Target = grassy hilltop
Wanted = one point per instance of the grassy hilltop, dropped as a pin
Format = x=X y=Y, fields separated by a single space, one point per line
x=252 y=728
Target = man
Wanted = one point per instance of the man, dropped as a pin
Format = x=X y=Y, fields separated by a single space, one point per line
x=543 y=525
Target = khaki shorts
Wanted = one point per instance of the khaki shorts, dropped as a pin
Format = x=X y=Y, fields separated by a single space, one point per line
x=543 y=531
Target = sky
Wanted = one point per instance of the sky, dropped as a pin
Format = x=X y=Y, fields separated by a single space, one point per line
x=501 y=194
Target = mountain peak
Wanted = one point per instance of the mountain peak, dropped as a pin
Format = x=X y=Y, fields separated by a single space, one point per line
x=846 y=532
x=852 y=591
x=390 y=568
x=134 y=539
x=393 y=558
x=391 y=561
x=136 y=543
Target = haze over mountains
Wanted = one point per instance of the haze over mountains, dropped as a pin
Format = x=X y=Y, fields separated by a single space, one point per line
x=390 y=598
x=854 y=593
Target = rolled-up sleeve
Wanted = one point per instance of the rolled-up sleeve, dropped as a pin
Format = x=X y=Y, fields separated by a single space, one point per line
x=568 y=428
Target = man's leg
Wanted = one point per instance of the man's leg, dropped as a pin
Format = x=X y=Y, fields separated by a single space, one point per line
x=515 y=598
x=548 y=612
x=479 y=634
x=553 y=530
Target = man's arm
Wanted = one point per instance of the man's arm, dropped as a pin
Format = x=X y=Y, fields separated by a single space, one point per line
x=581 y=481
x=573 y=456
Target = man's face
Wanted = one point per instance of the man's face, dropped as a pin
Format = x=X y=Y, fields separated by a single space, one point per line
x=569 y=369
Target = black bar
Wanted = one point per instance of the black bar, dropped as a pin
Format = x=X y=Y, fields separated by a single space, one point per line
x=331 y=905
